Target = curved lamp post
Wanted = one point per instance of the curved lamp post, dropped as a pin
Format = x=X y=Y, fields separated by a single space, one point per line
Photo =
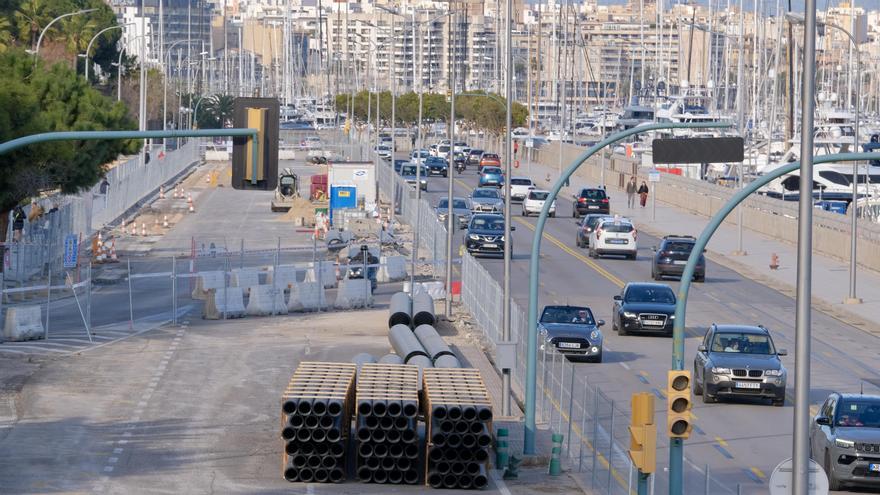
x=53 y=21
x=99 y=33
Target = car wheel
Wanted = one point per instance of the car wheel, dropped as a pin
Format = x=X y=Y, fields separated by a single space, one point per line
x=778 y=402
x=574 y=213
x=553 y=215
x=700 y=278
x=621 y=330
x=833 y=482
x=708 y=399
x=698 y=387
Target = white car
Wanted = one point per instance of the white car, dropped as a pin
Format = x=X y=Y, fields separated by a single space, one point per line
x=459 y=147
x=614 y=236
x=520 y=187
x=383 y=151
x=534 y=203
x=419 y=156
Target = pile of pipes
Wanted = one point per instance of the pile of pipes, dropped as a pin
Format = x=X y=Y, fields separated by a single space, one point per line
x=315 y=422
x=387 y=423
x=459 y=425
x=412 y=333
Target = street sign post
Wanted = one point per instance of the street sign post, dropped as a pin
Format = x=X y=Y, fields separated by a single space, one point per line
x=71 y=251
x=654 y=178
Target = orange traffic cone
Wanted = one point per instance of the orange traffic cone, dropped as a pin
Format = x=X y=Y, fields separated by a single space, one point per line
x=192 y=208
x=774 y=261
x=112 y=252
x=189 y=199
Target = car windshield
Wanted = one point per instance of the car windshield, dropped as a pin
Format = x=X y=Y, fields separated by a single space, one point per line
x=858 y=413
x=744 y=343
x=495 y=222
x=593 y=194
x=593 y=220
x=476 y=152
x=491 y=170
x=617 y=227
x=490 y=156
x=538 y=195
x=521 y=182
x=650 y=294
x=486 y=193
x=679 y=246
x=556 y=314
x=409 y=170
x=456 y=203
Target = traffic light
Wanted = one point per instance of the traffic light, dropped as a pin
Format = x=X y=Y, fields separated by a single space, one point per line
x=643 y=433
x=679 y=402
x=260 y=114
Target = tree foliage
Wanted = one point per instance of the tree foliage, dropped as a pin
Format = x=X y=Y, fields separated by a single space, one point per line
x=479 y=111
x=46 y=99
x=215 y=111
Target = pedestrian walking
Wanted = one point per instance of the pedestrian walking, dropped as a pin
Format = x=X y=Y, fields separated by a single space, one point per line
x=631 y=192
x=643 y=194
x=413 y=140
x=18 y=216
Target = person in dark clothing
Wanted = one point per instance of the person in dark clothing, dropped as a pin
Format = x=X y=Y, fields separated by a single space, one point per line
x=18 y=217
x=631 y=192
x=643 y=194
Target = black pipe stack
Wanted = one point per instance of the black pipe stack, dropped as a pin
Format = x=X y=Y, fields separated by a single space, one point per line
x=458 y=413
x=387 y=423
x=316 y=413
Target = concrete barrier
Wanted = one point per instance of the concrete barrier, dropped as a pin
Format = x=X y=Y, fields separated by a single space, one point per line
x=354 y=293
x=306 y=296
x=435 y=289
x=327 y=271
x=216 y=304
x=216 y=156
x=207 y=281
x=393 y=269
x=244 y=278
x=266 y=300
x=23 y=323
x=285 y=277
x=286 y=154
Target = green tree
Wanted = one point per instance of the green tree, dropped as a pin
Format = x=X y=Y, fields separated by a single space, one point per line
x=53 y=99
x=215 y=111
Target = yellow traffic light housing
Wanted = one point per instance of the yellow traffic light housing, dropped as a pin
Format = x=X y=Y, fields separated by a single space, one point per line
x=643 y=433
x=679 y=403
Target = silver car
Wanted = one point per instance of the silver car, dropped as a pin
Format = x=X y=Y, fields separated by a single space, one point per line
x=845 y=440
x=486 y=200
x=461 y=208
x=739 y=361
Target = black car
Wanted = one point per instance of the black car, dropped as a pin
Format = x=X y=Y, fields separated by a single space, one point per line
x=644 y=307
x=485 y=235
x=586 y=227
x=591 y=200
x=399 y=163
x=474 y=156
x=437 y=166
x=572 y=331
x=672 y=255
x=739 y=361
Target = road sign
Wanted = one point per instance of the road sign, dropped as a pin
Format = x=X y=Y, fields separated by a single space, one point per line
x=71 y=251
x=530 y=143
x=780 y=480
x=654 y=176
x=698 y=150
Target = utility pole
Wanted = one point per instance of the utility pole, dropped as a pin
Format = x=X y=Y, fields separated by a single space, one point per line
x=508 y=127
x=450 y=224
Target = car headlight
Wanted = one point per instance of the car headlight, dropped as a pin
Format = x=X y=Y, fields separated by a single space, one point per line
x=778 y=372
x=843 y=444
x=671 y=317
x=474 y=237
x=627 y=314
x=594 y=335
x=721 y=371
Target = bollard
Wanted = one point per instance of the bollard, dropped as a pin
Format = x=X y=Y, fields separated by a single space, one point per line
x=501 y=454
x=555 y=464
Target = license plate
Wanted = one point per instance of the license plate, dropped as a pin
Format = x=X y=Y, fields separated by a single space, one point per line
x=874 y=467
x=570 y=345
x=679 y=262
x=653 y=323
x=617 y=241
x=592 y=207
x=490 y=245
x=754 y=385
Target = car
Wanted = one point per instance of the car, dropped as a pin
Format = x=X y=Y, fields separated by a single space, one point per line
x=461 y=208
x=489 y=160
x=474 y=156
x=485 y=235
x=672 y=255
x=644 y=307
x=386 y=140
x=845 y=440
x=591 y=200
x=432 y=149
x=441 y=150
x=383 y=151
x=614 y=236
x=586 y=226
x=519 y=188
x=437 y=166
x=486 y=200
x=534 y=203
x=739 y=361
x=408 y=172
x=572 y=331
x=399 y=163
x=459 y=146
x=491 y=176
x=419 y=155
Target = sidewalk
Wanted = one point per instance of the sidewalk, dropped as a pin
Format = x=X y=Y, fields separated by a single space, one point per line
x=830 y=276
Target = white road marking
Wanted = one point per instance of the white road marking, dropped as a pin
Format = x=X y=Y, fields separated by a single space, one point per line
x=502 y=487
x=118 y=450
x=625 y=366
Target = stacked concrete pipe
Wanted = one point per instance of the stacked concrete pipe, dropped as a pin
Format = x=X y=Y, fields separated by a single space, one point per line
x=435 y=347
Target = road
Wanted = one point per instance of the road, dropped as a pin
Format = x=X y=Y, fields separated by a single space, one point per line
x=741 y=442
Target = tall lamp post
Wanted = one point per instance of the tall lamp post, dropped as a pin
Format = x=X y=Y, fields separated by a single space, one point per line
x=53 y=21
x=99 y=33
x=165 y=87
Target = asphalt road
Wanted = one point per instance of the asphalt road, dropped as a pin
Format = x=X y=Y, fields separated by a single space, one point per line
x=741 y=441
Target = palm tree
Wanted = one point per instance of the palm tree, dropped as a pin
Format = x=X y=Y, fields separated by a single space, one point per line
x=31 y=16
x=215 y=111
x=5 y=34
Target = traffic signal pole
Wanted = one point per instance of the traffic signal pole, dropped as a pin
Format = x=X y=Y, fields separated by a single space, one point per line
x=676 y=445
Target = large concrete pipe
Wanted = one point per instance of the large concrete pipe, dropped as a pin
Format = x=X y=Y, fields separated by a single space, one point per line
x=411 y=477
x=433 y=343
x=391 y=359
x=362 y=358
x=400 y=310
x=337 y=475
x=421 y=361
x=406 y=344
x=447 y=361
x=291 y=474
x=423 y=309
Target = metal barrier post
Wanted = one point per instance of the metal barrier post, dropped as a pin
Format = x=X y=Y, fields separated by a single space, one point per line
x=562 y=360
x=48 y=300
x=707 y=479
x=174 y=290
x=543 y=383
x=610 y=446
x=89 y=298
x=241 y=254
x=130 y=304
x=583 y=431
x=570 y=416
x=548 y=391
x=226 y=284
x=595 y=436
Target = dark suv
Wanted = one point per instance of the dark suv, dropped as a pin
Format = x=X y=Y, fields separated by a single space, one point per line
x=672 y=255
x=590 y=200
x=485 y=235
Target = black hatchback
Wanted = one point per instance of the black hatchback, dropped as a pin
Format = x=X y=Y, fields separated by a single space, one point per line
x=590 y=200
x=671 y=257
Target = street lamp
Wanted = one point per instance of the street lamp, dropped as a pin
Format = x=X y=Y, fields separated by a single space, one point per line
x=89 y=47
x=53 y=21
x=852 y=298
